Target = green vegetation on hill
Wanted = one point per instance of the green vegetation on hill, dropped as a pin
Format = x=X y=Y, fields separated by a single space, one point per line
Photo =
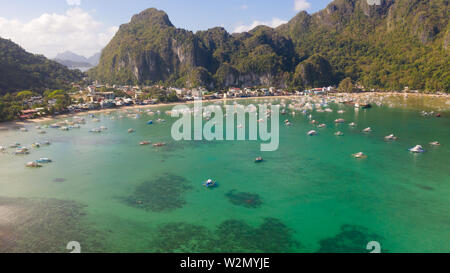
x=21 y=70
x=399 y=43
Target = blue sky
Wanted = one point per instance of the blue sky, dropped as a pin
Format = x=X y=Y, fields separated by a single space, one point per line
x=85 y=26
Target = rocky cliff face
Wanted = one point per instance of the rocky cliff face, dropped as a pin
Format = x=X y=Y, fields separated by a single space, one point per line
x=398 y=43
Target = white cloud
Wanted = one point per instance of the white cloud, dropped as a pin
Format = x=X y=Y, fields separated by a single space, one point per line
x=274 y=23
x=300 y=5
x=49 y=34
x=73 y=2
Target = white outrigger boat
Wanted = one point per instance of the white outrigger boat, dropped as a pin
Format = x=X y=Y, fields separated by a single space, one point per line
x=391 y=137
x=417 y=149
x=359 y=155
x=33 y=164
x=96 y=130
x=21 y=151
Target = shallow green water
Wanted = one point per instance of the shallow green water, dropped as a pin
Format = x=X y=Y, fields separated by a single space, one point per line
x=310 y=195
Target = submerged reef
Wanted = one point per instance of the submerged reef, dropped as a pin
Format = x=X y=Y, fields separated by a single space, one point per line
x=351 y=239
x=230 y=236
x=244 y=199
x=162 y=194
x=45 y=226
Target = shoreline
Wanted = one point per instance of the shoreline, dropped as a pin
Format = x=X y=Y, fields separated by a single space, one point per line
x=20 y=123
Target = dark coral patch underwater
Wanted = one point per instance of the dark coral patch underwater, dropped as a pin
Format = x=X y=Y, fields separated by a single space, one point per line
x=45 y=226
x=244 y=199
x=351 y=239
x=162 y=194
x=232 y=236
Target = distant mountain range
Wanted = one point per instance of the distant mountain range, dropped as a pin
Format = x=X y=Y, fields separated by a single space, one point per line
x=20 y=70
x=75 y=61
x=389 y=46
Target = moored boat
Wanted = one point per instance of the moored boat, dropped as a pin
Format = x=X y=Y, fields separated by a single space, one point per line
x=44 y=160
x=391 y=137
x=210 y=183
x=95 y=130
x=417 y=149
x=33 y=164
x=21 y=151
x=36 y=145
x=359 y=155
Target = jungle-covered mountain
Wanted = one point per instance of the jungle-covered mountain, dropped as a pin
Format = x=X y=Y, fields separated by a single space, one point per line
x=20 y=70
x=389 y=46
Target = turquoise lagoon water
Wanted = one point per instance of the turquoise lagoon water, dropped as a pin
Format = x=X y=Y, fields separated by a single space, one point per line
x=113 y=195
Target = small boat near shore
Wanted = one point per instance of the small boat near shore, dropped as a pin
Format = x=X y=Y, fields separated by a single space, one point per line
x=144 y=143
x=159 y=144
x=131 y=130
x=21 y=151
x=367 y=130
x=96 y=130
x=33 y=164
x=15 y=145
x=340 y=120
x=352 y=124
x=312 y=133
x=339 y=133
x=36 y=145
x=259 y=160
x=435 y=143
x=44 y=160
